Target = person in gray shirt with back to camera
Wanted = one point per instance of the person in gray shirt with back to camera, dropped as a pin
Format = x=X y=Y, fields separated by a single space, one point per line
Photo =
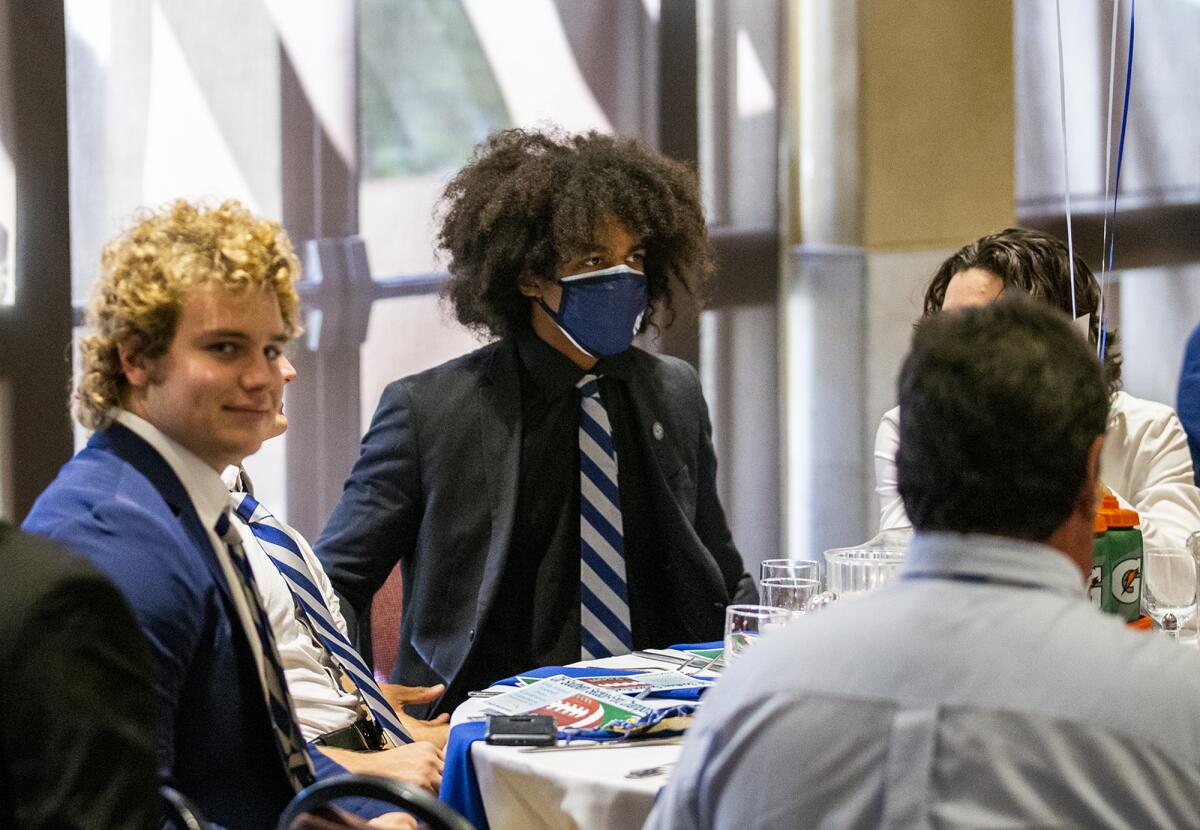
x=981 y=688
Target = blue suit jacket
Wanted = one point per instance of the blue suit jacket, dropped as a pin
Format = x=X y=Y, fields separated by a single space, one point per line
x=1188 y=399
x=119 y=504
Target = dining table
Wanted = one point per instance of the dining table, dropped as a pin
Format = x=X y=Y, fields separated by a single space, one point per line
x=577 y=786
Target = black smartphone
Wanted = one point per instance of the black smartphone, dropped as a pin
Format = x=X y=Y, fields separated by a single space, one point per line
x=521 y=730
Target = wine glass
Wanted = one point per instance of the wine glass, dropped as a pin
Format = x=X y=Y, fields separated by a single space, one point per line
x=745 y=624
x=1169 y=588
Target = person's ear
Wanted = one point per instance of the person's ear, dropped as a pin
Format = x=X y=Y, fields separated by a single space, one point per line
x=135 y=365
x=529 y=285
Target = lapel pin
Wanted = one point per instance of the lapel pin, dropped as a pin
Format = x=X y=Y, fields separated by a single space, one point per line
x=657 y=430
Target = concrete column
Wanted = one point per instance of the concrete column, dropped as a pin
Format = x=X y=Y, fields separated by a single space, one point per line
x=903 y=129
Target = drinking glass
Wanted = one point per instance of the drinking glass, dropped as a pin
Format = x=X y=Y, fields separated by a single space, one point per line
x=791 y=568
x=745 y=624
x=1169 y=588
x=790 y=593
x=853 y=571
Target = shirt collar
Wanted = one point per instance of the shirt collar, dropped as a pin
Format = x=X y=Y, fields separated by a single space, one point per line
x=556 y=374
x=202 y=483
x=991 y=559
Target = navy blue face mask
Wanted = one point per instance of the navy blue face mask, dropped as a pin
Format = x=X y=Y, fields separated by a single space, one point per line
x=600 y=311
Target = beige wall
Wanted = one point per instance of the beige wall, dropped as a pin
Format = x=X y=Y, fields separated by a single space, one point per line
x=936 y=121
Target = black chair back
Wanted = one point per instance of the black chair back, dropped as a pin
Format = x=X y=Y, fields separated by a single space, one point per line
x=413 y=800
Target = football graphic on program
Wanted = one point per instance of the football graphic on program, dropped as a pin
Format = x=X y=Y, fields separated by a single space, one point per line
x=577 y=710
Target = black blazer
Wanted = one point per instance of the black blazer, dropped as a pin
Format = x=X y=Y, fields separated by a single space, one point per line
x=78 y=717
x=435 y=487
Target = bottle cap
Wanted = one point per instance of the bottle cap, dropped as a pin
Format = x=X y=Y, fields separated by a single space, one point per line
x=1117 y=516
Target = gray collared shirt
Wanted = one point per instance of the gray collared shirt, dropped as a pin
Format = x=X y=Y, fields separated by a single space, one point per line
x=981 y=689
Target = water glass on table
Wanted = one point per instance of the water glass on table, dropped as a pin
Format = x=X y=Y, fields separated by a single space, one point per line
x=1169 y=588
x=790 y=568
x=790 y=593
x=745 y=624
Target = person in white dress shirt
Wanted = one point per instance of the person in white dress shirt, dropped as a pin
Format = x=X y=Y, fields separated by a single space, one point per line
x=1146 y=463
x=324 y=705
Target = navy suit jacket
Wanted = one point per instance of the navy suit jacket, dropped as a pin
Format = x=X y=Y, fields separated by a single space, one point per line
x=435 y=488
x=119 y=504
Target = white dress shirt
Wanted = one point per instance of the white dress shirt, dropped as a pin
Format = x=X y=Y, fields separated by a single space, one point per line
x=322 y=704
x=980 y=689
x=210 y=497
x=1145 y=462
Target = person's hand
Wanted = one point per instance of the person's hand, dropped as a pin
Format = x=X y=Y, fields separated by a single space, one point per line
x=394 y=821
x=417 y=763
x=436 y=731
x=401 y=696
x=329 y=818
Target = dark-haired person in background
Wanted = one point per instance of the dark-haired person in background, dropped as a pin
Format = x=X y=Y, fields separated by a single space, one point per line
x=78 y=714
x=1146 y=463
x=981 y=688
x=560 y=248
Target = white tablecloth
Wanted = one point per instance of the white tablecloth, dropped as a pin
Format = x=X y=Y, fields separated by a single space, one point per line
x=584 y=789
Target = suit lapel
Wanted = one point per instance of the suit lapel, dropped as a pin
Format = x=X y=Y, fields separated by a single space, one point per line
x=686 y=565
x=499 y=414
x=127 y=446
x=656 y=432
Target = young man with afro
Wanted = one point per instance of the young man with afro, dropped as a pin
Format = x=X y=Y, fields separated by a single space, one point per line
x=552 y=495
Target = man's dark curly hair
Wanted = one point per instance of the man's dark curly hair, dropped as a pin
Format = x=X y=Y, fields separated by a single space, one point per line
x=1037 y=264
x=529 y=200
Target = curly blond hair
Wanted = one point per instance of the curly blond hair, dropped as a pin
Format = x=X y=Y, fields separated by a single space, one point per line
x=145 y=274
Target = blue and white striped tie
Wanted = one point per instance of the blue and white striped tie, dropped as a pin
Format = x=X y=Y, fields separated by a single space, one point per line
x=604 y=599
x=276 y=539
x=288 y=737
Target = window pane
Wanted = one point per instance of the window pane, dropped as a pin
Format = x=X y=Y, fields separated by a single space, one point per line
x=431 y=337
x=167 y=99
x=163 y=103
x=494 y=70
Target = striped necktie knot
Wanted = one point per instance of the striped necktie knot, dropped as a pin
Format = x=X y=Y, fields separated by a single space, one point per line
x=589 y=386
x=245 y=505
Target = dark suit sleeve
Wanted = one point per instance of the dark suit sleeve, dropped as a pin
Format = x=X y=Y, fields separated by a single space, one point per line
x=79 y=713
x=376 y=521
x=711 y=526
